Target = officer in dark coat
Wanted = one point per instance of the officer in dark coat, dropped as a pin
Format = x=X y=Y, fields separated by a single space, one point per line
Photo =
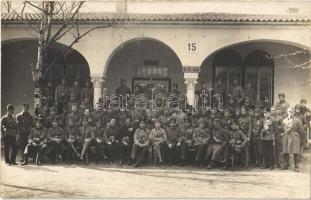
x=217 y=147
x=238 y=142
x=9 y=129
x=113 y=144
x=56 y=138
x=25 y=124
x=37 y=142
x=126 y=138
x=282 y=105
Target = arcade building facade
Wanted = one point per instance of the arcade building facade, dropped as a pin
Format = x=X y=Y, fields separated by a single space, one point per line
x=269 y=54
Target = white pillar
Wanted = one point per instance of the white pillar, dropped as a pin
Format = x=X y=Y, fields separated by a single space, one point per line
x=97 y=81
x=190 y=81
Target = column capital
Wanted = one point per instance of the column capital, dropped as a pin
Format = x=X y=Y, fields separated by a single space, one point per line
x=191 y=69
x=97 y=80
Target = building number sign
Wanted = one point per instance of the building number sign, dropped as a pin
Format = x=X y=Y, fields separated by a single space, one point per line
x=192 y=47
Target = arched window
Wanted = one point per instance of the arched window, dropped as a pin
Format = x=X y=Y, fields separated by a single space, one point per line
x=259 y=74
x=227 y=66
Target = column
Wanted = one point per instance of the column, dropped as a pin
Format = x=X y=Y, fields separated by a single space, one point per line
x=191 y=77
x=97 y=81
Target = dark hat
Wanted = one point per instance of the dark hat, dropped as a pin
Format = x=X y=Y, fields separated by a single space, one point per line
x=282 y=94
x=26 y=105
x=303 y=101
x=53 y=108
x=201 y=120
x=9 y=107
x=297 y=106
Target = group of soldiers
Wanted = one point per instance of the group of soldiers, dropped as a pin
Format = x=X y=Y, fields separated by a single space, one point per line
x=240 y=134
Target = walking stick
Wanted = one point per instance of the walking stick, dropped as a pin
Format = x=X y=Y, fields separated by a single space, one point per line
x=37 y=157
x=74 y=149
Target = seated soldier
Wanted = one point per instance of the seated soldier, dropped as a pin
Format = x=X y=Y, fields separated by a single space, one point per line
x=141 y=143
x=201 y=137
x=157 y=140
x=126 y=138
x=237 y=144
x=171 y=142
x=88 y=137
x=73 y=141
x=49 y=119
x=36 y=143
x=113 y=147
x=255 y=140
x=100 y=138
x=74 y=115
x=185 y=140
x=218 y=144
x=56 y=138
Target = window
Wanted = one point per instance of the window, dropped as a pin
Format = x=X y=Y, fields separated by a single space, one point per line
x=151 y=71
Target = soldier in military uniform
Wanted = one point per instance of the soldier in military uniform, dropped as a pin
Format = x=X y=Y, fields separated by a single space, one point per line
x=9 y=129
x=255 y=139
x=218 y=143
x=250 y=92
x=37 y=143
x=25 y=124
x=74 y=115
x=86 y=92
x=99 y=134
x=56 y=139
x=61 y=96
x=293 y=128
x=73 y=141
x=172 y=133
x=73 y=101
x=282 y=105
x=227 y=120
x=267 y=135
x=126 y=138
x=201 y=138
x=158 y=139
x=113 y=144
x=185 y=140
x=237 y=92
x=87 y=135
x=48 y=120
x=277 y=127
x=238 y=142
x=75 y=91
x=48 y=94
x=203 y=96
x=141 y=143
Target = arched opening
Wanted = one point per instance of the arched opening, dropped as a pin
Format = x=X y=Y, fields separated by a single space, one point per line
x=18 y=57
x=145 y=63
x=259 y=68
x=270 y=67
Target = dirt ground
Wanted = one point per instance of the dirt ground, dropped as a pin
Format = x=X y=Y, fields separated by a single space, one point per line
x=94 y=181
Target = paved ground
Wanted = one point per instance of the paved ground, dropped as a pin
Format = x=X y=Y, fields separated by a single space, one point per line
x=112 y=181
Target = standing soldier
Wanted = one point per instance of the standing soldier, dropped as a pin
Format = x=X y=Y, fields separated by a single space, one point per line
x=25 y=123
x=245 y=124
x=277 y=126
x=227 y=120
x=282 y=105
x=86 y=92
x=302 y=118
x=291 y=139
x=141 y=143
x=268 y=141
x=123 y=90
x=250 y=92
x=217 y=147
x=75 y=91
x=74 y=115
x=158 y=138
x=237 y=92
x=255 y=140
x=48 y=120
x=201 y=138
x=100 y=139
x=37 y=143
x=185 y=140
x=49 y=94
x=56 y=139
x=238 y=142
x=9 y=129
x=61 y=96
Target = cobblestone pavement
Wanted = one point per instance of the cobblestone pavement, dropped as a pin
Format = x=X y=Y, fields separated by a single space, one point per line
x=56 y=181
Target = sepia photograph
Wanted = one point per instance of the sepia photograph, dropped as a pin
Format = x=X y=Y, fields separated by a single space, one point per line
x=155 y=99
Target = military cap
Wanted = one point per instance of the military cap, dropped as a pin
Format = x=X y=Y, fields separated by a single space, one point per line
x=201 y=120
x=53 y=108
x=282 y=94
x=303 y=101
x=297 y=106
x=26 y=105
x=9 y=107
